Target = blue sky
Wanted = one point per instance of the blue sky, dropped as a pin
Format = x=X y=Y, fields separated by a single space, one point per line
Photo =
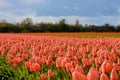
x=86 y=11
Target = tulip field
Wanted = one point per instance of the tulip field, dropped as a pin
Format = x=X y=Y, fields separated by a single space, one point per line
x=46 y=57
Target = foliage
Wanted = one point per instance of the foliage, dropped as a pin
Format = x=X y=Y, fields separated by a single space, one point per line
x=28 y=26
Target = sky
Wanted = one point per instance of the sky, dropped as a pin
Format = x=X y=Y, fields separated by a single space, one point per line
x=86 y=11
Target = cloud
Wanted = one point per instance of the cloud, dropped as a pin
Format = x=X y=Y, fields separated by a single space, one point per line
x=118 y=22
x=31 y=2
x=14 y=16
x=76 y=8
x=4 y=3
x=52 y=19
x=118 y=10
x=71 y=19
x=11 y=16
x=7 y=16
x=18 y=12
x=66 y=7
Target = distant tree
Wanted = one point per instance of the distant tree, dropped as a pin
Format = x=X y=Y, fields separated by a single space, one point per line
x=8 y=27
x=3 y=21
x=26 y=25
x=78 y=26
x=118 y=27
x=91 y=28
x=108 y=28
x=77 y=23
x=62 y=26
x=62 y=21
x=27 y=21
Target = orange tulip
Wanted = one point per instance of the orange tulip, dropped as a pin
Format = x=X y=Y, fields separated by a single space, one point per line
x=114 y=75
x=38 y=60
x=119 y=62
x=3 y=52
x=50 y=74
x=85 y=62
x=63 y=62
x=43 y=60
x=94 y=52
x=67 y=53
x=106 y=66
x=116 y=67
x=100 y=60
x=92 y=74
x=27 y=65
x=50 y=62
x=80 y=69
x=43 y=76
x=68 y=67
x=10 y=56
x=15 y=65
x=35 y=67
x=78 y=76
x=24 y=57
x=103 y=76
x=58 y=62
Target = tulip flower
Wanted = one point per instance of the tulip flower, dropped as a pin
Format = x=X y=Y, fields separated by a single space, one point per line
x=80 y=69
x=70 y=55
x=78 y=76
x=119 y=62
x=103 y=76
x=92 y=74
x=27 y=65
x=106 y=66
x=85 y=62
x=35 y=67
x=68 y=67
x=15 y=65
x=50 y=74
x=58 y=62
x=114 y=75
x=43 y=76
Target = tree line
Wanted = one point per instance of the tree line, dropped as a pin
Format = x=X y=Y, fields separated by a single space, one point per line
x=28 y=26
